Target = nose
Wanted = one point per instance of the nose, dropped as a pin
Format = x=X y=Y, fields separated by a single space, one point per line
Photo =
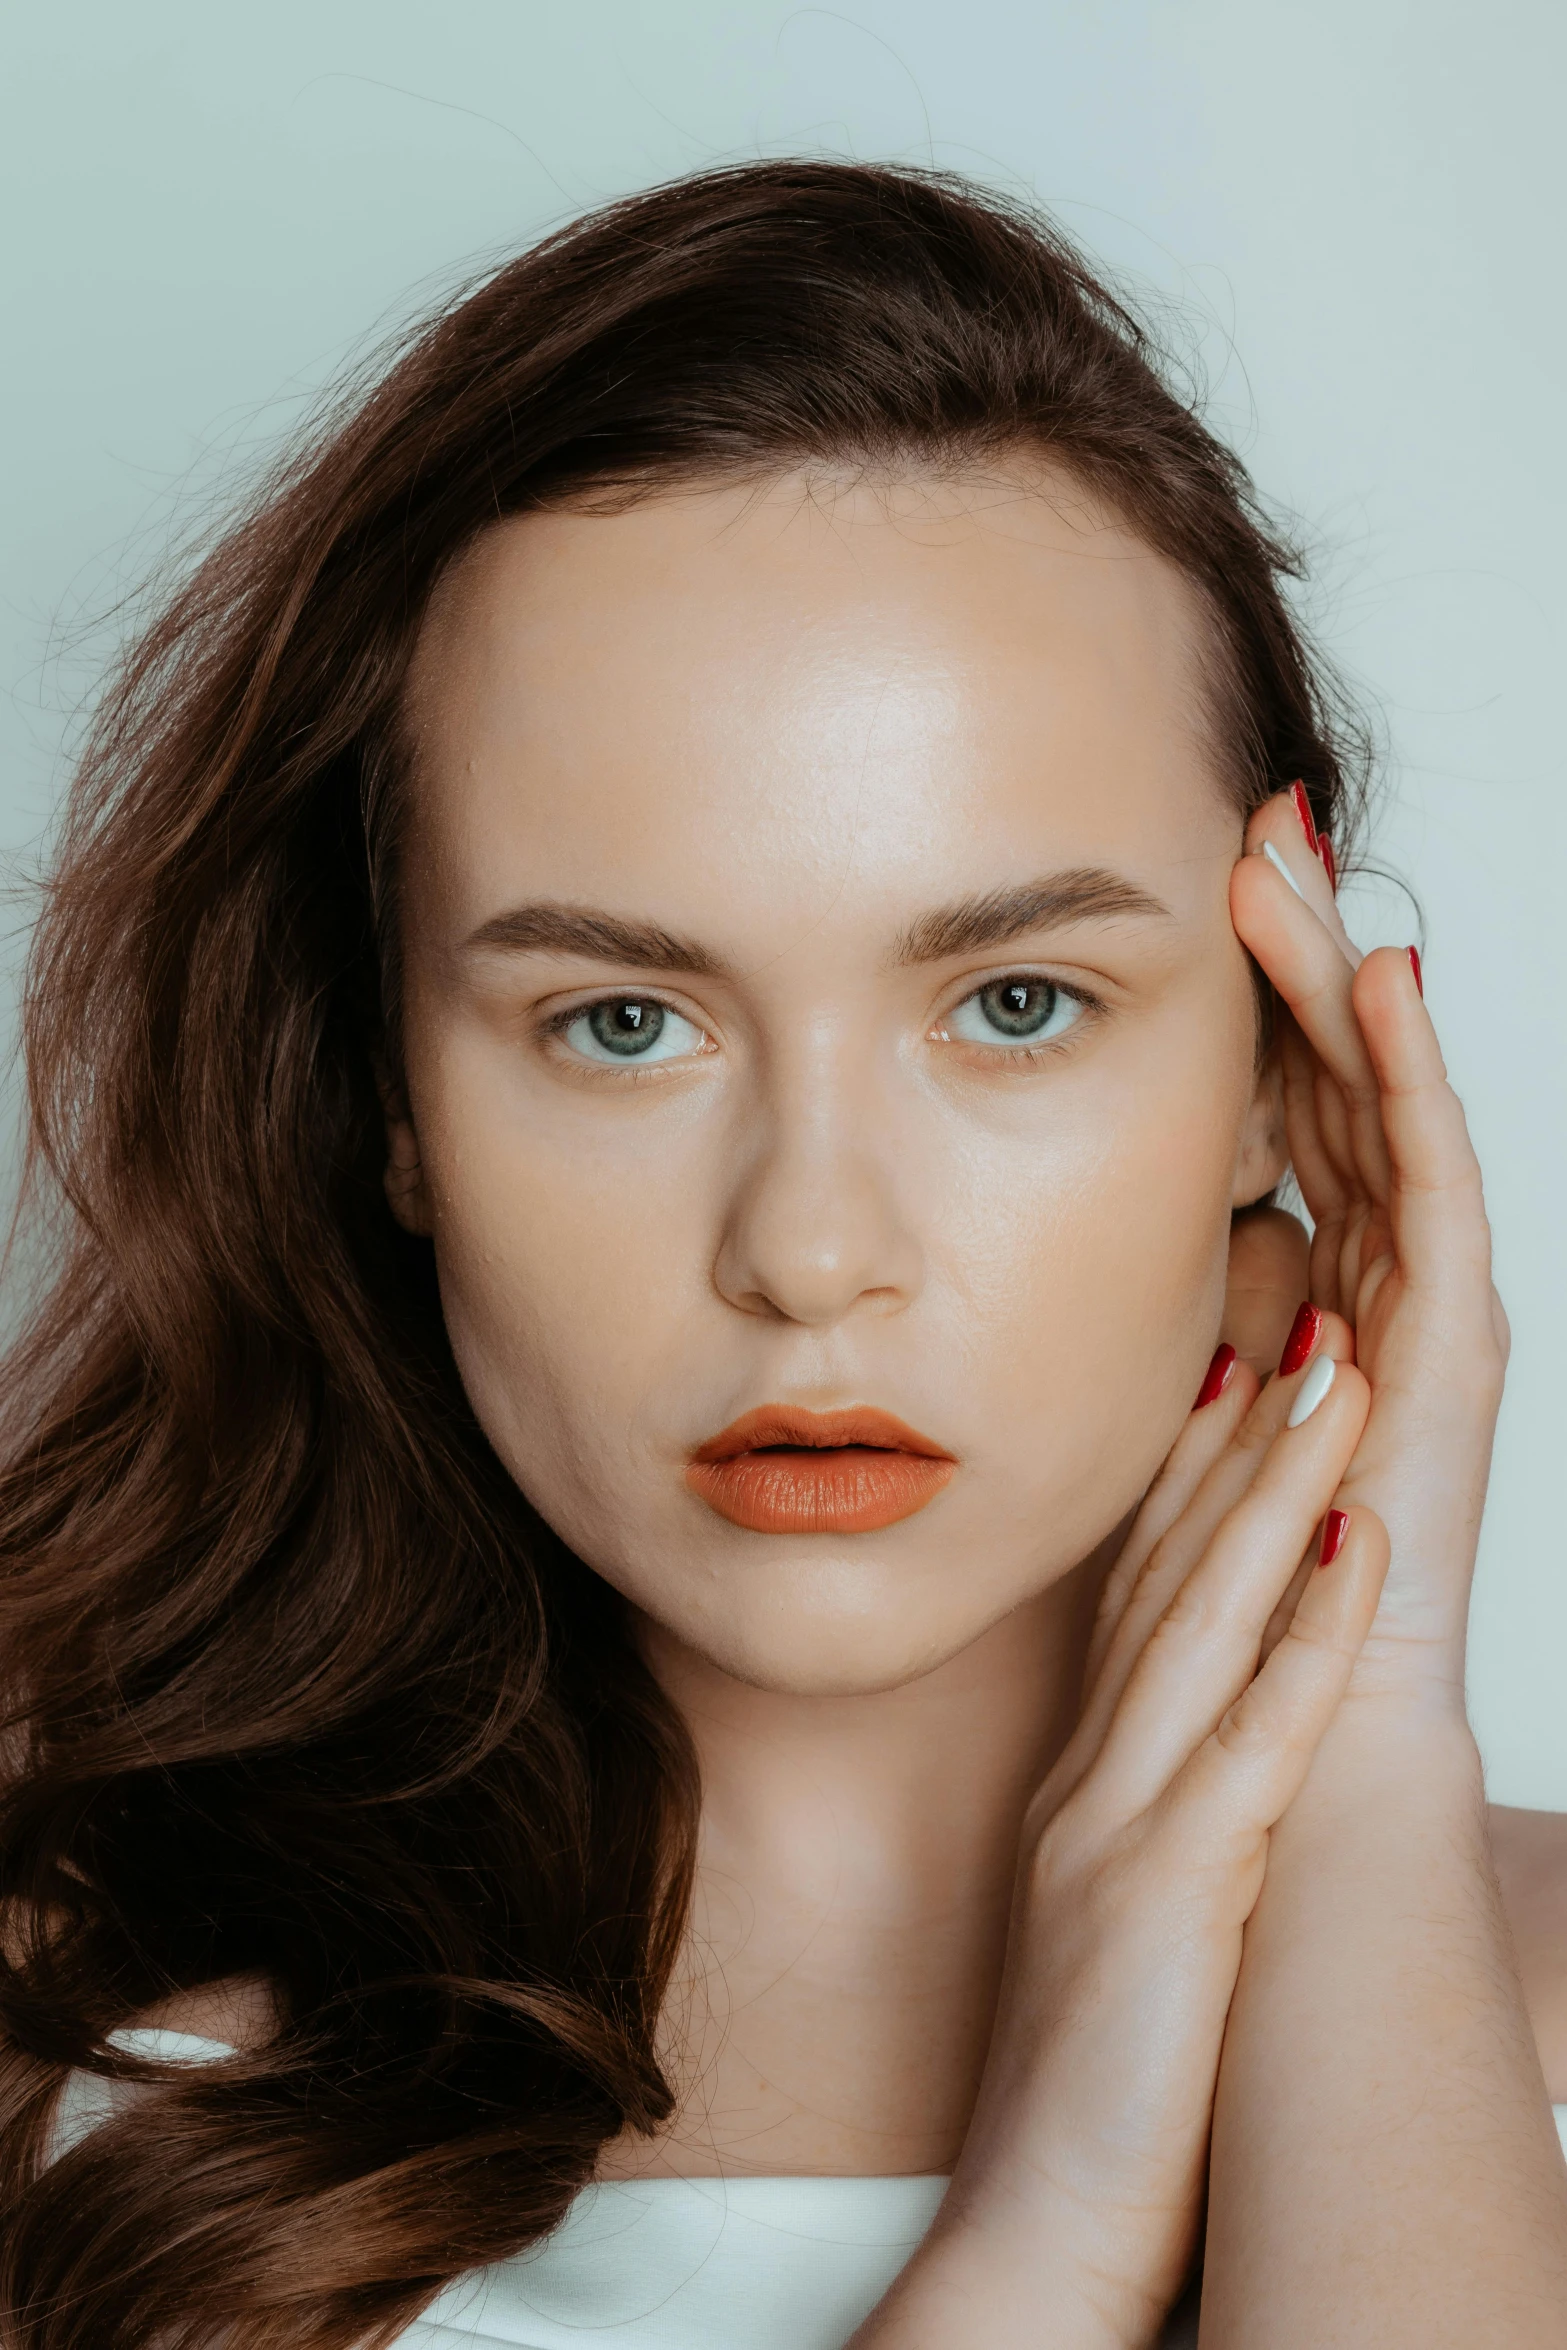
x=814 y=1228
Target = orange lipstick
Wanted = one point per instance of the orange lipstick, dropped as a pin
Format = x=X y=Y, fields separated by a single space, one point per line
x=783 y=1470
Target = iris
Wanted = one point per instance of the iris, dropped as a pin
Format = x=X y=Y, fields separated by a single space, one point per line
x=626 y=1025
x=1018 y=1007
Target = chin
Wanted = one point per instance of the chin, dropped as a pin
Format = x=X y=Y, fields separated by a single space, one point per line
x=819 y=1617
x=814 y=1660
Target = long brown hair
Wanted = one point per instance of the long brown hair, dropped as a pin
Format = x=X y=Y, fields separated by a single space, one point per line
x=295 y=1684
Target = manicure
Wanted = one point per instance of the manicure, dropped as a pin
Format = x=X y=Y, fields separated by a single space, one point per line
x=1329 y=865
x=1279 y=866
x=1216 y=1378
x=1300 y=1345
x=1414 y=964
x=1334 y=1528
x=1311 y=1391
x=1303 y=811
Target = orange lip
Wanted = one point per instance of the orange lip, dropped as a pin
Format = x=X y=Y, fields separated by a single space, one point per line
x=781 y=1470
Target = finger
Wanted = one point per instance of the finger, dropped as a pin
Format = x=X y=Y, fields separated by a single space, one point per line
x=1210 y=1429
x=1321 y=1170
x=1170 y=1557
x=1317 y=1125
x=1249 y=1771
x=1282 y=823
x=1313 y=978
x=1279 y=832
x=1322 y=1134
x=1437 y=1204
x=1206 y=1645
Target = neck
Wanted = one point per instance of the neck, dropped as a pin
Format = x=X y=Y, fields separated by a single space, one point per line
x=854 y=1883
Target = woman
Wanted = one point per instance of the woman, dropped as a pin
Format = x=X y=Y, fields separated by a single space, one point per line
x=664 y=981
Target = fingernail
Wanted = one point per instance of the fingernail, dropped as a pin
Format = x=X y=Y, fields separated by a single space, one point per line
x=1279 y=866
x=1216 y=1378
x=1311 y=1390
x=1303 y=811
x=1329 y=864
x=1414 y=964
x=1334 y=1528
x=1305 y=1330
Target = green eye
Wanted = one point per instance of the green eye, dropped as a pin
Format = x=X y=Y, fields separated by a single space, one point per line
x=629 y=1028
x=1022 y=1010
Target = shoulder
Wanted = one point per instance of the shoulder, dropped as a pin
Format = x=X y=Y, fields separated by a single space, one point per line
x=1530 y=1850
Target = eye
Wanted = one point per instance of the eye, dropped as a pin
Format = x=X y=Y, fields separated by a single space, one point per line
x=621 y=1028
x=1021 y=1010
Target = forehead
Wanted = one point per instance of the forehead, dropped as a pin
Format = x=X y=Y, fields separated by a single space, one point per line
x=810 y=692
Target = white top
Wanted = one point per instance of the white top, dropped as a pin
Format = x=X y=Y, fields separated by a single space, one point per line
x=694 y=2264
x=652 y=2264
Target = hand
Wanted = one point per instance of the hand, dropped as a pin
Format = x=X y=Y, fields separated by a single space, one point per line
x=1079 y=2187
x=1401 y=1246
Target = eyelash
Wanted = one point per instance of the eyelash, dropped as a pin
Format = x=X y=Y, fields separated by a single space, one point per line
x=1019 y=1056
x=553 y=1029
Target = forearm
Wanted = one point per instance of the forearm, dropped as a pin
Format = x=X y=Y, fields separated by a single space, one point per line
x=1017 y=2285
x=1385 y=2169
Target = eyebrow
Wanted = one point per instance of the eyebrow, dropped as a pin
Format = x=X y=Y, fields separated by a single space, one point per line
x=1088 y=893
x=546 y=928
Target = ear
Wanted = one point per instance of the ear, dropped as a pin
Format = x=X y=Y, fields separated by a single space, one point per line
x=1269 y=1274
x=1270 y=1252
x=406 y=1193
x=1264 y=1155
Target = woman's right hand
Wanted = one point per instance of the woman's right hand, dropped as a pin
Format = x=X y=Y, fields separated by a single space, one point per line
x=1219 y=1658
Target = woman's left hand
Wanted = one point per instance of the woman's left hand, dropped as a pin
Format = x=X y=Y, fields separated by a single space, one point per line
x=1401 y=1248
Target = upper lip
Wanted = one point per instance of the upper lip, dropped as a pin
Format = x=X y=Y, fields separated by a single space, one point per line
x=788 y=1426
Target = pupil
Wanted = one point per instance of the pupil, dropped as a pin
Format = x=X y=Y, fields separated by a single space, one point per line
x=626 y=1026
x=1019 y=1007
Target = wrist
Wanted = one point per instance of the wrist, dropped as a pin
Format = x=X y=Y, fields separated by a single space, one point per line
x=998 y=2275
x=1390 y=1761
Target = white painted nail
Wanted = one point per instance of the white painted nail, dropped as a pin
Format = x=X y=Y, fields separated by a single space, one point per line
x=1311 y=1390
x=1279 y=866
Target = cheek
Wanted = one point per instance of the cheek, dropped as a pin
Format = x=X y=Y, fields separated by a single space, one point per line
x=1085 y=1265
x=569 y=1281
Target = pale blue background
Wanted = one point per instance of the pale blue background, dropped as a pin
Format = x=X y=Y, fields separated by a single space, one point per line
x=1359 y=203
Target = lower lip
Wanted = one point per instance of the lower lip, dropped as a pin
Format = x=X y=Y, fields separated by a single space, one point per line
x=844 y=1489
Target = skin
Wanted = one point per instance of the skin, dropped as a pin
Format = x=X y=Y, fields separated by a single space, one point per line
x=1400 y=2171
x=841 y=1208
x=843 y=724
x=937 y=1926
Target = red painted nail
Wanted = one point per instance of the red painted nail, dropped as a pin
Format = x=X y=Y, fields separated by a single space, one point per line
x=1303 y=811
x=1414 y=964
x=1216 y=1378
x=1325 y=846
x=1334 y=1528
x=1305 y=1330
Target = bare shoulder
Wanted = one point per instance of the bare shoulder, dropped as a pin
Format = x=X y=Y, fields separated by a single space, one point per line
x=1530 y=1850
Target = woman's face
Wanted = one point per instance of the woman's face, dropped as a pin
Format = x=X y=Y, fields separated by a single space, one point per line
x=821 y=994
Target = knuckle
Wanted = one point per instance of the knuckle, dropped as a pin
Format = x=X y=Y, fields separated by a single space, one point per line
x=1188 y=1619
x=1256 y=1432
x=1119 y=1585
x=1244 y=1732
x=1319 y=1639
x=1080 y=1856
